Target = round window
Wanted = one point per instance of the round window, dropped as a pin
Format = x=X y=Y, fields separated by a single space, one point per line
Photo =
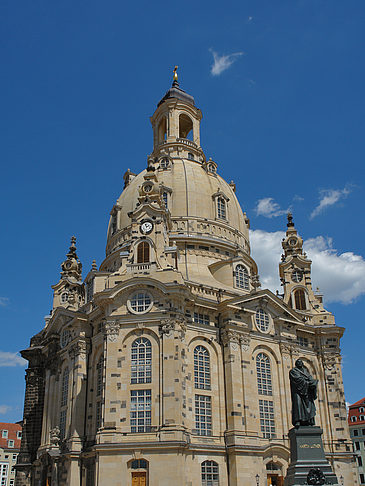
x=64 y=297
x=147 y=188
x=65 y=338
x=297 y=276
x=164 y=163
x=262 y=320
x=140 y=302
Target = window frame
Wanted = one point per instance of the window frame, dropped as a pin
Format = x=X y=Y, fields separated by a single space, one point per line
x=300 y=299
x=267 y=418
x=135 y=304
x=263 y=374
x=262 y=320
x=203 y=415
x=241 y=277
x=221 y=208
x=143 y=252
x=140 y=417
x=141 y=362
x=211 y=469
x=202 y=372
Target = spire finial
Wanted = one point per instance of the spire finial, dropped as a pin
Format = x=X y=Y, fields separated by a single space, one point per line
x=94 y=266
x=175 y=73
x=290 y=220
x=175 y=77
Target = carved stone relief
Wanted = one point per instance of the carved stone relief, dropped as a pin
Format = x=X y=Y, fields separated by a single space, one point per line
x=111 y=330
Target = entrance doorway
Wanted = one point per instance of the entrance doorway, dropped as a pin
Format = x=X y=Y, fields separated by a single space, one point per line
x=139 y=479
x=275 y=480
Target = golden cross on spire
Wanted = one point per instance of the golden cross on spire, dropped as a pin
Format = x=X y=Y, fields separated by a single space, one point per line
x=175 y=73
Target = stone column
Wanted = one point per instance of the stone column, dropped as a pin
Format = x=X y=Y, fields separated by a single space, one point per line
x=112 y=374
x=233 y=380
x=78 y=355
x=32 y=418
x=172 y=333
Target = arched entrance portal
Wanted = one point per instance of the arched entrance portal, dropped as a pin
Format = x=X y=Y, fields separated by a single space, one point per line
x=139 y=469
x=274 y=475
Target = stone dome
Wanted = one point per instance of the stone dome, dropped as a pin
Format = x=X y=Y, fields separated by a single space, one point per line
x=185 y=201
x=192 y=192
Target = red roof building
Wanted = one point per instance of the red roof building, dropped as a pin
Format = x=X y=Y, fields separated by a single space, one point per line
x=357 y=413
x=10 y=438
x=356 y=420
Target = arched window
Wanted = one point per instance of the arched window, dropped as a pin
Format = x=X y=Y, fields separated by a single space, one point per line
x=299 y=298
x=143 y=252
x=221 y=208
x=263 y=369
x=201 y=368
x=211 y=168
x=63 y=402
x=190 y=156
x=114 y=223
x=141 y=355
x=164 y=163
x=162 y=130
x=64 y=387
x=185 y=126
x=165 y=199
x=241 y=277
x=99 y=376
x=210 y=473
x=262 y=320
x=139 y=464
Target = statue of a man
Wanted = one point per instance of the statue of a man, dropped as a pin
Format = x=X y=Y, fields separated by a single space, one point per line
x=303 y=389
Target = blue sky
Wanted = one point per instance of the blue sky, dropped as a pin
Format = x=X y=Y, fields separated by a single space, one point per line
x=281 y=87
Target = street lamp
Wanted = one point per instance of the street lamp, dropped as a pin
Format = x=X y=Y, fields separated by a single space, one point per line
x=257 y=480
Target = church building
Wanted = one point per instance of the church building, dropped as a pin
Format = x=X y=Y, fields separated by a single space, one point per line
x=169 y=364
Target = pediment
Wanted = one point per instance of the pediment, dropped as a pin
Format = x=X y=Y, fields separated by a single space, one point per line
x=264 y=299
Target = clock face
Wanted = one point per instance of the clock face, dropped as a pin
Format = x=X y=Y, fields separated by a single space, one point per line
x=292 y=241
x=146 y=227
x=297 y=276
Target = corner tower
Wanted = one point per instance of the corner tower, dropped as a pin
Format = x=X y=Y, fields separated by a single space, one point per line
x=295 y=271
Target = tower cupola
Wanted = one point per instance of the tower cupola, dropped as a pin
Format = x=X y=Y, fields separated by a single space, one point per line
x=176 y=125
x=69 y=291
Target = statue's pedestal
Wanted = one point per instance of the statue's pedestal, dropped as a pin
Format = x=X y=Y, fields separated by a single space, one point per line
x=306 y=454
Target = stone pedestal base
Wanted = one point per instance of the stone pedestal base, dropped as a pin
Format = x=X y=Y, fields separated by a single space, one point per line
x=307 y=458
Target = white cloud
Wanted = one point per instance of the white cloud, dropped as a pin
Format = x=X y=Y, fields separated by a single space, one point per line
x=4 y=301
x=221 y=63
x=340 y=276
x=266 y=250
x=11 y=359
x=4 y=409
x=329 y=197
x=269 y=208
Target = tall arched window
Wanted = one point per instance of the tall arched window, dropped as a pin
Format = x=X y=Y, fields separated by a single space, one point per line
x=221 y=208
x=64 y=387
x=299 y=298
x=263 y=369
x=165 y=199
x=141 y=355
x=201 y=368
x=210 y=473
x=63 y=402
x=143 y=252
x=99 y=376
x=241 y=277
x=185 y=127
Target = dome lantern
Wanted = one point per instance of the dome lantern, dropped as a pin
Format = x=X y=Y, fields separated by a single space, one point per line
x=176 y=124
